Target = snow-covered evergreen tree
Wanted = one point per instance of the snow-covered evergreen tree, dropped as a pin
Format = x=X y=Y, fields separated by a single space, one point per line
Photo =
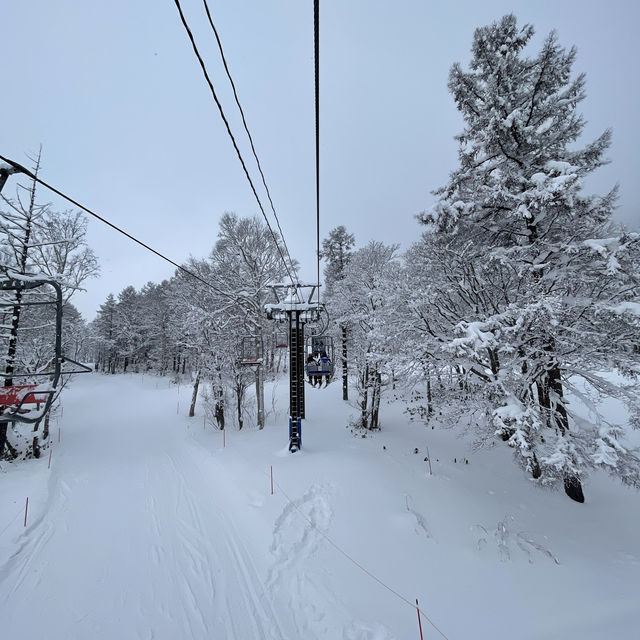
x=364 y=298
x=337 y=248
x=543 y=289
x=157 y=325
x=103 y=330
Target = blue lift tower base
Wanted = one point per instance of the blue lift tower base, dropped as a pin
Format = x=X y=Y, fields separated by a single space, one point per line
x=295 y=434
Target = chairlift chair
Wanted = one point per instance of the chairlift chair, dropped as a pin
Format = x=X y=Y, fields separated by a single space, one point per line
x=37 y=296
x=319 y=358
x=281 y=340
x=251 y=351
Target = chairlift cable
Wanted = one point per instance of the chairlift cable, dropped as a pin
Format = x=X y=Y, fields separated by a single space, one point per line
x=233 y=140
x=31 y=175
x=246 y=128
x=316 y=49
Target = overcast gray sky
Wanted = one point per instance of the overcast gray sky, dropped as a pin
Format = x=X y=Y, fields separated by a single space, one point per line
x=114 y=93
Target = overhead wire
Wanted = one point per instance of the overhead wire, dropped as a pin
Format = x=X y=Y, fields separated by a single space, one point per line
x=316 y=57
x=233 y=140
x=246 y=128
x=362 y=568
x=31 y=175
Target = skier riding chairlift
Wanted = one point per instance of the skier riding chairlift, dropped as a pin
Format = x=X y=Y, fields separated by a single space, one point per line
x=319 y=367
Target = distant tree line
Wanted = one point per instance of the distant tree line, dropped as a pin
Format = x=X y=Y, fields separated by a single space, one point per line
x=181 y=326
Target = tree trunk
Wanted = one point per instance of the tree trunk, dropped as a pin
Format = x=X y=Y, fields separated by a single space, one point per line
x=13 y=337
x=12 y=451
x=560 y=416
x=374 y=400
x=260 y=385
x=460 y=372
x=573 y=487
x=375 y=404
x=572 y=484
x=239 y=394
x=536 y=472
x=364 y=420
x=219 y=411
x=557 y=417
x=218 y=394
x=22 y=264
x=260 y=395
x=3 y=437
x=494 y=362
x=45 y=430
x=194 y=396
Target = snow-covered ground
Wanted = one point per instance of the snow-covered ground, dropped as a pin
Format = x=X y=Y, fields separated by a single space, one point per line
x=146 y=527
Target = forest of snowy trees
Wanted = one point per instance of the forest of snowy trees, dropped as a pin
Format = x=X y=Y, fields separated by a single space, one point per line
x=509 y=316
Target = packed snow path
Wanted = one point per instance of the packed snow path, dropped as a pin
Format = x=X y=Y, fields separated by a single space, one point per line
x=134 y=543
x=146 y=527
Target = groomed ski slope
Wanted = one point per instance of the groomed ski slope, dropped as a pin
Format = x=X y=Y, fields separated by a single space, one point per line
x=146 y=527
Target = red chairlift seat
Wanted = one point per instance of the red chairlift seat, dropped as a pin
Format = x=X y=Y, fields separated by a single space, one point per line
x=251 y=350
x=20 y=394
x=281 y=340
x=16 y=395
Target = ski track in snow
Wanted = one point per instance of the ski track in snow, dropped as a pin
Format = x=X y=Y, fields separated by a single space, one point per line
x=295 y=543
x=132 y=544
x=298 y=575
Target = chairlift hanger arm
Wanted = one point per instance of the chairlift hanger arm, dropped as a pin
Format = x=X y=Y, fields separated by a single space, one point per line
x=6 y=170
x=18 y=282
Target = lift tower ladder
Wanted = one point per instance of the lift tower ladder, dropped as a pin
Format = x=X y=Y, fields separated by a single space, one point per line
x=296 y=365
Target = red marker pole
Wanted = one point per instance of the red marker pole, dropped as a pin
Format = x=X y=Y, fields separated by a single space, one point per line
x=419 y=621
x=224 y=438
x=271 y=479
x=59 y=434
x=50 y=452
x=26 y=509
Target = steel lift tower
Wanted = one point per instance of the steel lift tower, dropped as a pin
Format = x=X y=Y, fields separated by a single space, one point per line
x=295 y=308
